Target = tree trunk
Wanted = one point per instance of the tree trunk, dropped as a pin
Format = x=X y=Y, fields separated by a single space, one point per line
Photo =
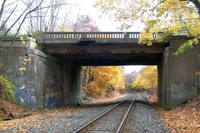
x=198 y=75
x=87 y=77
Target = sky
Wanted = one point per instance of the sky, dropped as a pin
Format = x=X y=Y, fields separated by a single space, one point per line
x=129 y=69
x=105 y=24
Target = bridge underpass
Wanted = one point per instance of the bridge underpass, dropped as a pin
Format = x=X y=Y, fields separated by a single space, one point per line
x=52 y=77
x=177 y=81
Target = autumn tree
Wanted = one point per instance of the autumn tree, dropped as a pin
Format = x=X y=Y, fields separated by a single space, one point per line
x=147 y=79
x=85 y=23
x=104 y=80
x=163 y=17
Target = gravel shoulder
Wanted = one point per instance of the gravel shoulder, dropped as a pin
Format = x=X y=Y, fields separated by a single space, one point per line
x=144 y=118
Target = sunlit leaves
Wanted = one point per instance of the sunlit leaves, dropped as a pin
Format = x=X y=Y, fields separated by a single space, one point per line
x=105 y=79
x=146 y=79
x=65 y=29
x=197 y=73
x=171 y=17
x=186 y=45
x=22 y=69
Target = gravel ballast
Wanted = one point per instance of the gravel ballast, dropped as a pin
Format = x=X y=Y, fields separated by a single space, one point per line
x=143 y=118
x=63 y=122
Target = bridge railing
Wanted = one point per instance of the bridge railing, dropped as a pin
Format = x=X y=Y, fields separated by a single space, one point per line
x=90 y=35
x=95 y=35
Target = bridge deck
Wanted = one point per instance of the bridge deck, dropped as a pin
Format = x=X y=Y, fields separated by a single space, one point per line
x=101 y=48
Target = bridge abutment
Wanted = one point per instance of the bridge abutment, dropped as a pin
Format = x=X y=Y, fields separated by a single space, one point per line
x=177 y=81
x=41 y=80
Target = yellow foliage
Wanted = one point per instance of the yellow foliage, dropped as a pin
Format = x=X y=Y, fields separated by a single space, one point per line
x=64 y=29
x=197 y=73
x=167 y=16
x=22 y=69
x=104 y=79
x=147 y=79
x=33 y=45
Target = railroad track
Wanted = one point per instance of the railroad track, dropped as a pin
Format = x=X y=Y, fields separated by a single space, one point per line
x=112 y=120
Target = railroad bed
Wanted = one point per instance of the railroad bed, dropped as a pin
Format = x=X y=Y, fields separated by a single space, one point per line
x=142 y=118
x=112 y=120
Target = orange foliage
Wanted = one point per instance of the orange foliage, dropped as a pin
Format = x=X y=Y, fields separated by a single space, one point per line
x=185 y=119
x=103 y=80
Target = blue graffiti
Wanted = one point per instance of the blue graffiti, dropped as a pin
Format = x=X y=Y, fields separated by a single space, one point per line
x=50 y=101
x=24 y=94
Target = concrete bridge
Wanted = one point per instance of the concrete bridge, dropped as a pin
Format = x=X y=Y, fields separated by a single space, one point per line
x=102 y=48
x=55 y=75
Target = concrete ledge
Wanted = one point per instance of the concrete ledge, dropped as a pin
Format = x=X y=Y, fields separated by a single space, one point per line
x=47 y=56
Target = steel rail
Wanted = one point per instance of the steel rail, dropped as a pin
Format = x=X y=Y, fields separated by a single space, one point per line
x=84 y=127
x=119 y=130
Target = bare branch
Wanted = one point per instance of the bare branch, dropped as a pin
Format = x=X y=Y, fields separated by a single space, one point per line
x=61 y=4
x=16 y=21
x=11 y=4
x=27 y=15
x=2 y=8
x=8 y=18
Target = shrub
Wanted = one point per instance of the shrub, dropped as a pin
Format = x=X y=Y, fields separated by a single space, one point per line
x=6 y=89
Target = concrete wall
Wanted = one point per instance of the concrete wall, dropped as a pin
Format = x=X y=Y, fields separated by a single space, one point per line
x=177 y=78
x=40 y=80
x=39 y=83
x=45 y=73
x=72 y=84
